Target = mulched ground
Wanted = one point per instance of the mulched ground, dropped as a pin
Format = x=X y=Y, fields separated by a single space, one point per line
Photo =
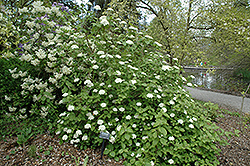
x=47 y=150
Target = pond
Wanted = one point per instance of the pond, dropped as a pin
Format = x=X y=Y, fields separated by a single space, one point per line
x=217 y=79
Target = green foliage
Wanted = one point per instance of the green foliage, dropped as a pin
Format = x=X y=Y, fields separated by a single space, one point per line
x=86 y=160
x=114 y=79
x=32 y=151
x=24 y=136
x=230 y=44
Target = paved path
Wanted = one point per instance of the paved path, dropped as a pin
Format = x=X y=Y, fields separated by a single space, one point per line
x=220 y=98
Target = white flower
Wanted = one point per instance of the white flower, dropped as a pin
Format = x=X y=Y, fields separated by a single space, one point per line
x=112 y=139
x=97 y=7
x=95 y=90
x=100 y=122
x=100 y=53
x=115 y=109
x=102 y=84
x=101 y=92
x=138 y=104
x=171 y=138
x=193 y=77
x=145 y=137
x=172 y=115
x=152 y=163
x=191 y=126
x=119 y=128
x=71 y=108
x=132 y=154
x=65 y=129
x=87 y=126
x=102 y=127
x=171 y=102
x=134 y=125
x=88 y=83
x=194 y=119
x=164 y=109
x=62 y=114
x=7 y=98
x=84 y=138
x=95 y=67
x=79 y=132
x=69 y=131
x=76 y=80
x=104 y=20
x=121 y=109
x=158 y=44
x=138 y=155
x=133 y=28
x=128 y=117
x=118 y=80
x=137 y=144
x=91 y=117
x=180 y=121
x=129 y=42
x=103 y=105
x=171 y=161
x=66 y=70
x=113 y=133
x=65 y=94
x=157 y=77
x=166 y=67
x=118 y=56
x=191 y=120
x=89 y=3
x=122 y=63
x=189 y=84
x=147 y=36
x=102 y=56
x=149 y=95
x=65 y=137
x=58 y=132
x=110 y=9
x=133 y=136
x=118 y=73
x=133 y=81
x=161 y=105
x=95 y=112
x=74 y=46
x=123 y=22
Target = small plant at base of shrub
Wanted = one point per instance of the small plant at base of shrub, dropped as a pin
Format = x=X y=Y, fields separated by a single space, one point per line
x=112 y=79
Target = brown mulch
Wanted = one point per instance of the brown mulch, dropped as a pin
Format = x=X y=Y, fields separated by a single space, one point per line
x=47 y=150
x=238 y=152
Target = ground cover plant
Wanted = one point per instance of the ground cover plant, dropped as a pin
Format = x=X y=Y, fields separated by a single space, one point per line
x=109 y=77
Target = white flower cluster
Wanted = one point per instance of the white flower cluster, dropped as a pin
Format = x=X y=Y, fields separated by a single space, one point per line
x=103 y=20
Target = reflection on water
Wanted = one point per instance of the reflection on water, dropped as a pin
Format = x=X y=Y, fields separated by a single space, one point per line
x=210 y=79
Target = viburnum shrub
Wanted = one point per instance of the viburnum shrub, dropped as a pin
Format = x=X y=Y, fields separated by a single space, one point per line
x=110 y=77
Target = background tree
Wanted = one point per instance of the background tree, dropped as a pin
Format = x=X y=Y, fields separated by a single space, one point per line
x=231 y=45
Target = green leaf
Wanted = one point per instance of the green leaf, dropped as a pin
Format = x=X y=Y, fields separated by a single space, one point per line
x=163 y=141
x=112 y=154
x=154 y=135
x=127 y=136
x=116 y=158
x=163 y=131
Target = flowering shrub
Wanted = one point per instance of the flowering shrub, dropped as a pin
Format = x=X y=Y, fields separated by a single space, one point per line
x=110 y=79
